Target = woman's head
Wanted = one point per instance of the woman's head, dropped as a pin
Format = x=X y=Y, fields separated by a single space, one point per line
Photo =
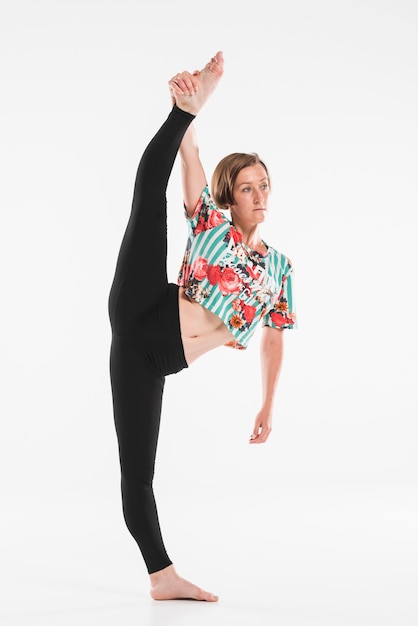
x=225 y=175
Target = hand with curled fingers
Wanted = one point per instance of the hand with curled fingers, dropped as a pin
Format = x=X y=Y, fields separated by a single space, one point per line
x=183 y=85
x=190 y=91
x=262 y=427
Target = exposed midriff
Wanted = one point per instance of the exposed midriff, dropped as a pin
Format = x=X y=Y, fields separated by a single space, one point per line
x=201 y=330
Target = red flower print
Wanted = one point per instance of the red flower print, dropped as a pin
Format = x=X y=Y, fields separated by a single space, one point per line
x=281 y=320
x=249 y=312
x=213 y=273
x=200 y=268
x=215 y=218
x=235 y=235
x=200 y=226
x=229 y=281
x=236 y=304
x=198 y=207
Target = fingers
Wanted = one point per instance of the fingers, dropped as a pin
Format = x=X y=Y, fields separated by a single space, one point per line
x=260 y=434
x=184 y=83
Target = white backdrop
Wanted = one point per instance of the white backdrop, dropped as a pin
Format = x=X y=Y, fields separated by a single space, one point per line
x=321 y=522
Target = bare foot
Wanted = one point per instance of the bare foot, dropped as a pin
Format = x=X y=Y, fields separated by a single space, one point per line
x=168 y=585
x=190 y=91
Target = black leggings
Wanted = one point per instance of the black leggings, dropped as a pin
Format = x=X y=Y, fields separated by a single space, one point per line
x=146 y=339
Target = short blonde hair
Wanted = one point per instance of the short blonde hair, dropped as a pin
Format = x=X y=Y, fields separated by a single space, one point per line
x=225 y=175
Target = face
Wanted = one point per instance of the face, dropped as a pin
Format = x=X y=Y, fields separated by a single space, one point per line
x=251 y=194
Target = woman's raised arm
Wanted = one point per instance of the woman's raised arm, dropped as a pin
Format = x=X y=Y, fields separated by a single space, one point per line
x=192 y=172
x=189 y=92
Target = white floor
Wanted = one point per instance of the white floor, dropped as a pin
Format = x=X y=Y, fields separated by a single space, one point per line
x=341 y=555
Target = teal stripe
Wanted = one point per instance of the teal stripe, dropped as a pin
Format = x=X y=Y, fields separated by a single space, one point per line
x=215 y=247
x=289 y=293
x=211 y=302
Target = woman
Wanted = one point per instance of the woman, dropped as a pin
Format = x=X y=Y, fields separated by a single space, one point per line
x=229 y=280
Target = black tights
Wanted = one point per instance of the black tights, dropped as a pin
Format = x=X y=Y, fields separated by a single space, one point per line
x=146 y=339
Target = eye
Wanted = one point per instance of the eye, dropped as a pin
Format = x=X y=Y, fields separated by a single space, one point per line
x=264 y=186
x=245 y=189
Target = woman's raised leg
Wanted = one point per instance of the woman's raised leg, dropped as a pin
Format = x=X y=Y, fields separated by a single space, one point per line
x=141 y=271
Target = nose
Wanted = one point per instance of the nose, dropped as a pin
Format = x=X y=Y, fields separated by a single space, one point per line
x=257 y=196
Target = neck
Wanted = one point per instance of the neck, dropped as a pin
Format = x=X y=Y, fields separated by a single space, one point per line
x=250 y=235
x=253 y=242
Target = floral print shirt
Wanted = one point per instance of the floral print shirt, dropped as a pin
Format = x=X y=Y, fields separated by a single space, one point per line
x=241 y=286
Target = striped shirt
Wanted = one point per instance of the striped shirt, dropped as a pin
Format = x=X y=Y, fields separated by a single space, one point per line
x=241 y=286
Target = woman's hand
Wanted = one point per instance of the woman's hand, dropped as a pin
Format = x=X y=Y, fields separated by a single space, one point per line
x=262 y=427
x=271 y=353
x=190 y=91
x=183 y=85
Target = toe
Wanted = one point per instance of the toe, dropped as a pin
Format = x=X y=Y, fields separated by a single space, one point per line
x=216 y=63
x=210 y=597
x=213 y=598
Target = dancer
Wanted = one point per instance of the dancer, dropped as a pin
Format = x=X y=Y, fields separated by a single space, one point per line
x=230 y=280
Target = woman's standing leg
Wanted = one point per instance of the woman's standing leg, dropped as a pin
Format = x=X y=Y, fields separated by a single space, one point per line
x=137 y=399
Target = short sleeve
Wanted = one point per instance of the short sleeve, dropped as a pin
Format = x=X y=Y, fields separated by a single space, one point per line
x=206 y=214
x=283 y=314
